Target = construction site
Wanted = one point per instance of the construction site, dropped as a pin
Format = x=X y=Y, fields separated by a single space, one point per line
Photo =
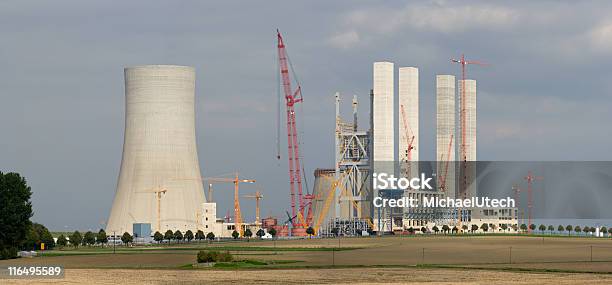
x=160 y=187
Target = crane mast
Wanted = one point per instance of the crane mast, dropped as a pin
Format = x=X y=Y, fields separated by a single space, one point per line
x=291 y=97
x=409 y=140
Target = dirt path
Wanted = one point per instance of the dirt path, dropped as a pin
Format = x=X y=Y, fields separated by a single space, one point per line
x=318 y=276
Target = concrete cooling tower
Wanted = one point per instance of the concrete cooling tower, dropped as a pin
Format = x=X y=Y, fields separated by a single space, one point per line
x=159 y=181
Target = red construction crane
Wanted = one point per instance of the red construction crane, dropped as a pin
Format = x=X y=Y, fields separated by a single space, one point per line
x=448 y=152
x=409 y=140
x=292 y=97
x=530 y=178
x=462 y=146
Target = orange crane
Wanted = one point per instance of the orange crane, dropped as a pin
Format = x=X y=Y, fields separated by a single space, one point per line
x=158 y=194
x=462 y=114
x=409 y=139
x=443 y=178
x=328 y=200
x=530 y=178
x=257 y=196
x=236 y=181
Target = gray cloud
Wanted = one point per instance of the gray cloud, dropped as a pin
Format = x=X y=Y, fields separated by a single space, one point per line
x=544 y=96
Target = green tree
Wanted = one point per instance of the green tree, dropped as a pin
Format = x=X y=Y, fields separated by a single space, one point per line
x=126 y=238
x=235 y=234
x=515 y=227
x=593 y=230
x=551 y=228
x=272 y=232
x=310 y=231
x=532 y=227
x=560 y=229
x=178 y=236
x=542 y=228
x=89 y=238
x=569 y=228
x=523 y=227
x=455 y=230
x=577 y=229
x=248 y=234
x=260 y=233
x=423 y=230
x=15 y=213
x=484 y=227
x=464 y=228
x=474 y=228
x=200 y=235
x=445 y=229
x=210 y=236
x=36 y=235
x=504 y=227
x=189 y=235
x=169 y=235
x=76 y=238
x=435 y=229
x=62 y=241
x=603 y=230
x=158 y=237
x=102 y=237
x=586 y=229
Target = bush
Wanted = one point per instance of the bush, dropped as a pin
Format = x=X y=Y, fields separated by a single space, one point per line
x=8 y=253
x=214 y=256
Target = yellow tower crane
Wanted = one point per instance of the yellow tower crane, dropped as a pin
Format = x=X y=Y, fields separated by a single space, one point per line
x=158 y=194
x=236 y=181
x=257 y=196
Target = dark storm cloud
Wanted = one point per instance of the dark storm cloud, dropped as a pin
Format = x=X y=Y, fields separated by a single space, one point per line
x=545 y=95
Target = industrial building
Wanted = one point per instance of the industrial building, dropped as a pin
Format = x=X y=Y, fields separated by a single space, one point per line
x=408 y=144
x=468 y=171
x=383 y=135
x=445 y=133
x=159 y=181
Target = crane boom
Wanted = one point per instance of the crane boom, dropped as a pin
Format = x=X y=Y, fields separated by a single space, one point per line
x=448 y=151
x=409 y=139
x=328 y=200
x=291 y=97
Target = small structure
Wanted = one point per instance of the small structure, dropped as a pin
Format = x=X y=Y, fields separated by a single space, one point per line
x=141 y=232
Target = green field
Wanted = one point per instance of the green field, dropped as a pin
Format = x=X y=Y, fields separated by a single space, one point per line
x=435 y=253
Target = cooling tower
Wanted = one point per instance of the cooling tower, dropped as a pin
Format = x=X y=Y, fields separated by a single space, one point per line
x=159 y=181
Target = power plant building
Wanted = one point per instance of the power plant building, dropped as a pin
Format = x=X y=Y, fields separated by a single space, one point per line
x=409 y=111
x=470 y=139
x=159 y=181
x=383 y=133
x=446 y=139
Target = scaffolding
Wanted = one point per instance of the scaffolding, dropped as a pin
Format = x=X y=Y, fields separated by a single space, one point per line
x=353 y=158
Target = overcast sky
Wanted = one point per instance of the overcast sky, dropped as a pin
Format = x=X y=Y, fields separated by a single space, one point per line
x=546 y=94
